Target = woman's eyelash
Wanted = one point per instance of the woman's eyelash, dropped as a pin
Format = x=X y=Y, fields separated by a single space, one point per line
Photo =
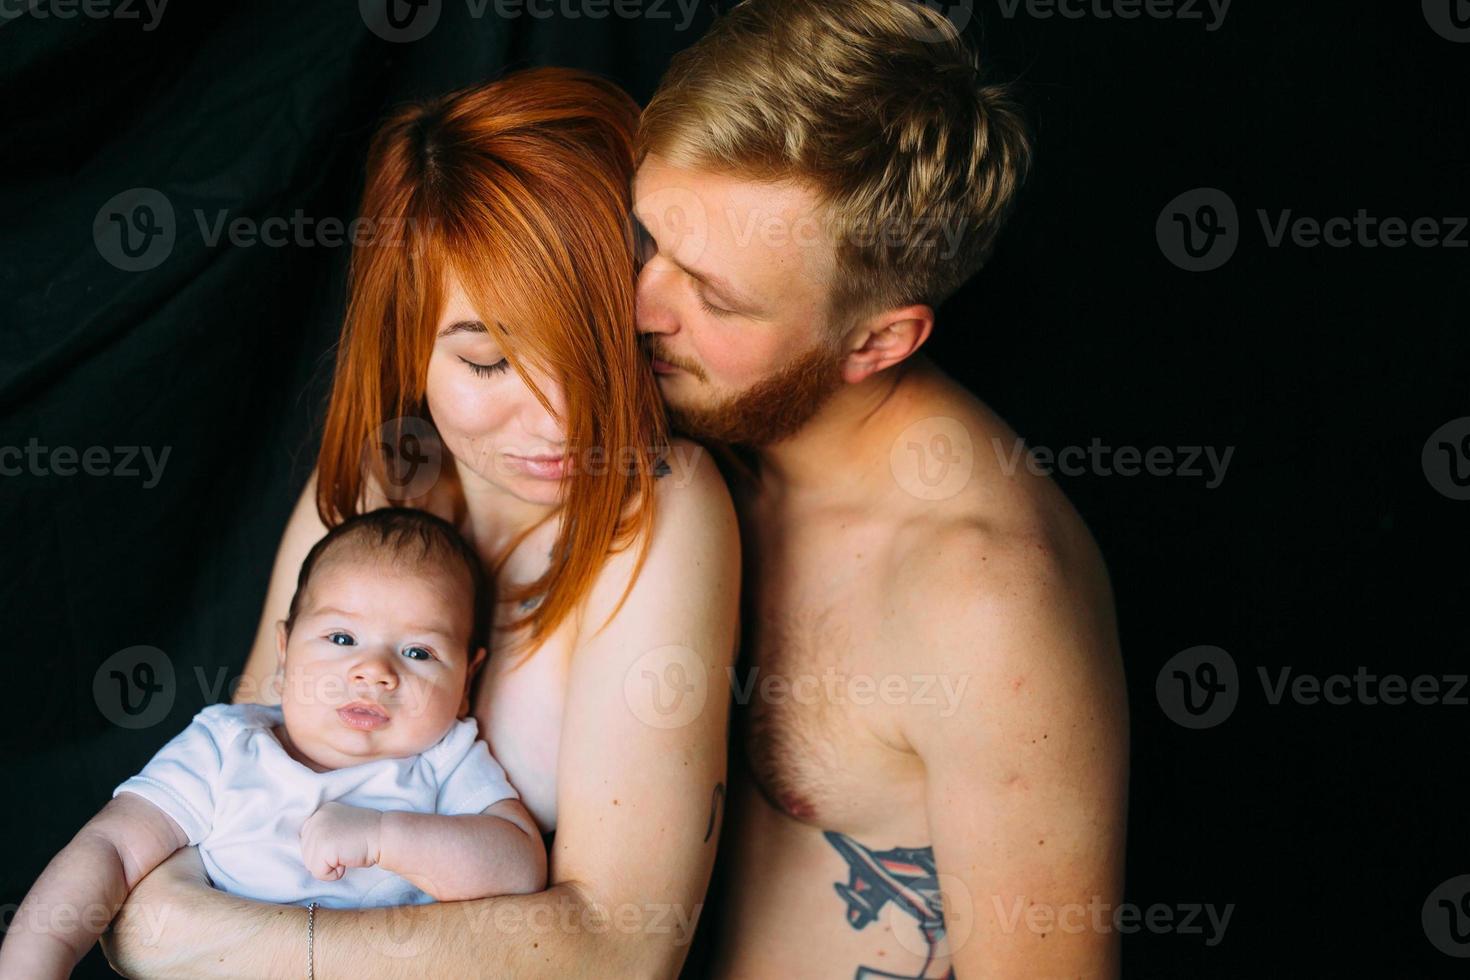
x=485 y=370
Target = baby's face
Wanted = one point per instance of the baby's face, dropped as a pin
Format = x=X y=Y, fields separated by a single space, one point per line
x=376 y=663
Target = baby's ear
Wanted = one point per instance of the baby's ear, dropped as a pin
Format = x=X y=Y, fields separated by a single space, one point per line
x=469 y=679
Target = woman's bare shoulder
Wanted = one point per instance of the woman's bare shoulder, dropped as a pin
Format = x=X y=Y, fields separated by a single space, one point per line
x=692 y=548
x=690 y=487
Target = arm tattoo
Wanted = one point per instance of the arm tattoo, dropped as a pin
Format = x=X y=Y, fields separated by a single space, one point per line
x=905 y=876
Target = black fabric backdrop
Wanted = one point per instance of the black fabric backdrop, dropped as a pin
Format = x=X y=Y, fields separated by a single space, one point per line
x=1325 y=547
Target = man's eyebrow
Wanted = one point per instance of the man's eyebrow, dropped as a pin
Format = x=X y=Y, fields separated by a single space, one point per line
x=726 y=291
x=724 y=287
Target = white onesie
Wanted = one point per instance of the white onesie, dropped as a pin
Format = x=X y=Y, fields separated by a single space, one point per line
x=229 y=783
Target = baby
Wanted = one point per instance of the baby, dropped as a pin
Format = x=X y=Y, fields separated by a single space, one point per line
x=365 y=786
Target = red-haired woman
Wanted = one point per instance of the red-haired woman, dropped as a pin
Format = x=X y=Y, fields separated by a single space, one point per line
x=489 y=372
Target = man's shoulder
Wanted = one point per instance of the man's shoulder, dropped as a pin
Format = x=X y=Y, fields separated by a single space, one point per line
x=969 y=585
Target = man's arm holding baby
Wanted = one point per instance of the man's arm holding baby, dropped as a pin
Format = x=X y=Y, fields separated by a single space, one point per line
x=452 y=857
x=72 y=902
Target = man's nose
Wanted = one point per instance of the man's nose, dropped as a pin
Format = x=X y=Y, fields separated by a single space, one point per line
x=653 y=314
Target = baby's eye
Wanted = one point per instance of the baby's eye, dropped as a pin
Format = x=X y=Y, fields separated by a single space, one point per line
x=417 y=653
x=341 y=639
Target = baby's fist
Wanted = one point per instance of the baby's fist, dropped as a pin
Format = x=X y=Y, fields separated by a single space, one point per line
x=337 y=837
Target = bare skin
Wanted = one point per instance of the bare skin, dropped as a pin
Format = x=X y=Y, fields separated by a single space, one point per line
x=575 y=740
x=930 y=696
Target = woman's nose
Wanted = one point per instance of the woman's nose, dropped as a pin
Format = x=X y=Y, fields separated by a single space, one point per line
x=548 y=427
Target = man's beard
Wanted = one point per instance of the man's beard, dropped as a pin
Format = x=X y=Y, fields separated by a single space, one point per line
x=770 y=410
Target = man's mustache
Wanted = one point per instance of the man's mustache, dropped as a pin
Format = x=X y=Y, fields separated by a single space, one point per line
x=656 y=351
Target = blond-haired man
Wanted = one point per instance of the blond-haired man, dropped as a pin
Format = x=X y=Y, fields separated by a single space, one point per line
x=931 y=734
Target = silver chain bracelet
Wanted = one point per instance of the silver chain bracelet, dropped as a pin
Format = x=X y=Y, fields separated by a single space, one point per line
x=310 y=937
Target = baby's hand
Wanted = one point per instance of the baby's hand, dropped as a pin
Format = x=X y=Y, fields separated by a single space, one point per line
x=337 y=837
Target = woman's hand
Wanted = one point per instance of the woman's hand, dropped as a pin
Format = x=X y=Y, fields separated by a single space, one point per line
x=133 y=939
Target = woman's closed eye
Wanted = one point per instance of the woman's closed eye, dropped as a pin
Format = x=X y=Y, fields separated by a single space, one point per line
x=485 y=370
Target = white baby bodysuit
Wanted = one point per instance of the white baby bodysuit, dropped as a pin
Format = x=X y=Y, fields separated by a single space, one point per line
x=229 y=783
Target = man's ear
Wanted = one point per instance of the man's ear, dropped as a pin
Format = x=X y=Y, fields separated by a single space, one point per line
x=886 y=338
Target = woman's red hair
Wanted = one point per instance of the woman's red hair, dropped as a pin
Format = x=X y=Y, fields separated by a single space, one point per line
x=521 y=189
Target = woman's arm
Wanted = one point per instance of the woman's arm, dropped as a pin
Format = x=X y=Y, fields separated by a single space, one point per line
x=642 y=750
x=175 y=926
x=76 y=896
x=303 y=530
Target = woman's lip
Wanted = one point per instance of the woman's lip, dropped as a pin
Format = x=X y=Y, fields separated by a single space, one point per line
x=544 y=467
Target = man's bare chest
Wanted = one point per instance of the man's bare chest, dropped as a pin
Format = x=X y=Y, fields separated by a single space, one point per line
x=820 y=684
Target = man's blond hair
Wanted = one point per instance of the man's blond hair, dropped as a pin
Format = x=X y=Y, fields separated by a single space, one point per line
x=878 y=106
